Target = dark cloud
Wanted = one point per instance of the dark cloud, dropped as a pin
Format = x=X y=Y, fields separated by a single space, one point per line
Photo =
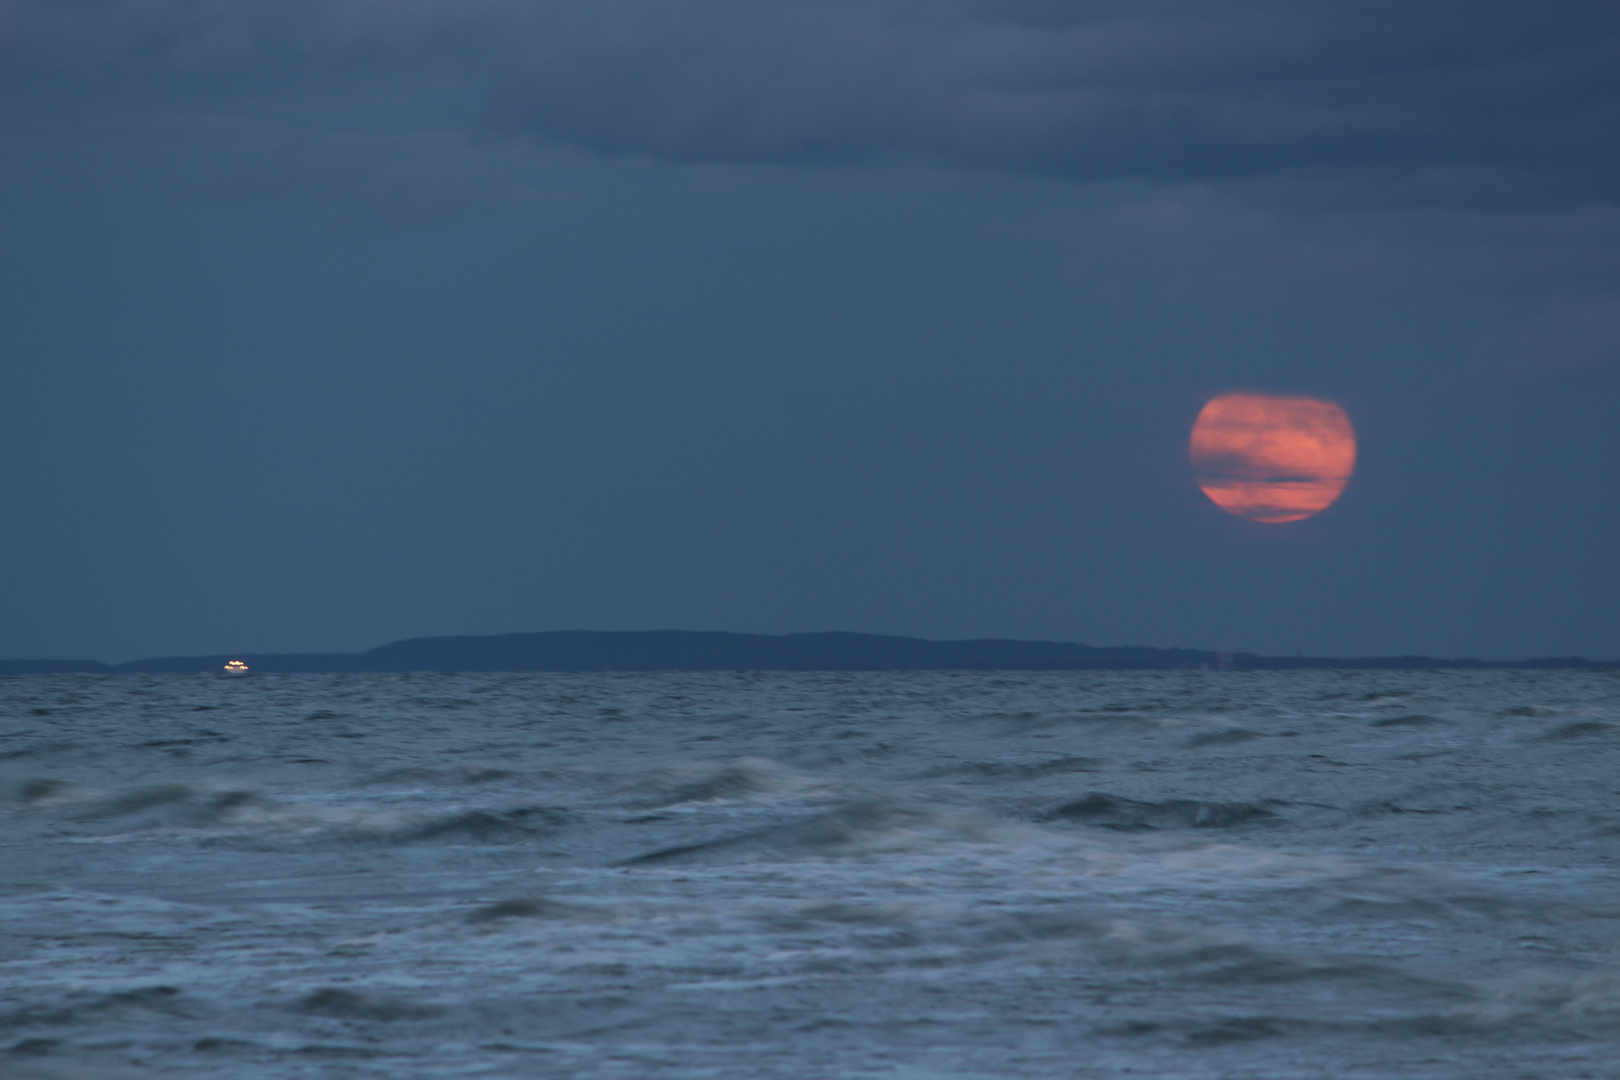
x=1484 y=103
x=949 y=401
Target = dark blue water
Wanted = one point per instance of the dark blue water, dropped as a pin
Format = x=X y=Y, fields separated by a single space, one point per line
x=964 y=875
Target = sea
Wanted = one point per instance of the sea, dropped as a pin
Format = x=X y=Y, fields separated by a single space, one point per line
x=759 y=875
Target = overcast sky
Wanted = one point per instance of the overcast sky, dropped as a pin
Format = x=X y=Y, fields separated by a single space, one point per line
x=325 y=323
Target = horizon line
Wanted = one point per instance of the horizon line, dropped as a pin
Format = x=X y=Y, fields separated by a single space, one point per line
x=665 y=650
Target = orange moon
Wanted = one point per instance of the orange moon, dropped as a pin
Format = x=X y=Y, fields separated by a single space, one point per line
x=1272 y=459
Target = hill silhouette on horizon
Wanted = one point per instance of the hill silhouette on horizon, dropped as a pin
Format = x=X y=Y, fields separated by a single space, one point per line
x=701 y=650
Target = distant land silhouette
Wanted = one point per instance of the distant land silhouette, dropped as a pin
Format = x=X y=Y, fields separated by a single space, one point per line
x=693 y=650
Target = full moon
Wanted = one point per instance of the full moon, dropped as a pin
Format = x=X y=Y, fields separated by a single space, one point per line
x=1272 y=459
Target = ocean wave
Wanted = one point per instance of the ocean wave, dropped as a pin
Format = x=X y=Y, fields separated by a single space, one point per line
x=1114 y=812
x=778 y=876
x=493 y=825
x=737 y=778
x=851 y=831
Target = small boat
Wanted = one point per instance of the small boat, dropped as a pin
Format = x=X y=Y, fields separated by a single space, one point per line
x=236 y=667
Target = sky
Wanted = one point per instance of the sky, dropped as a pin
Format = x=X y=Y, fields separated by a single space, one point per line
x=325 y=323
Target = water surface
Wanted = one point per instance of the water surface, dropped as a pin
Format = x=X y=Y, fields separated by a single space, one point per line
x=761 y=875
